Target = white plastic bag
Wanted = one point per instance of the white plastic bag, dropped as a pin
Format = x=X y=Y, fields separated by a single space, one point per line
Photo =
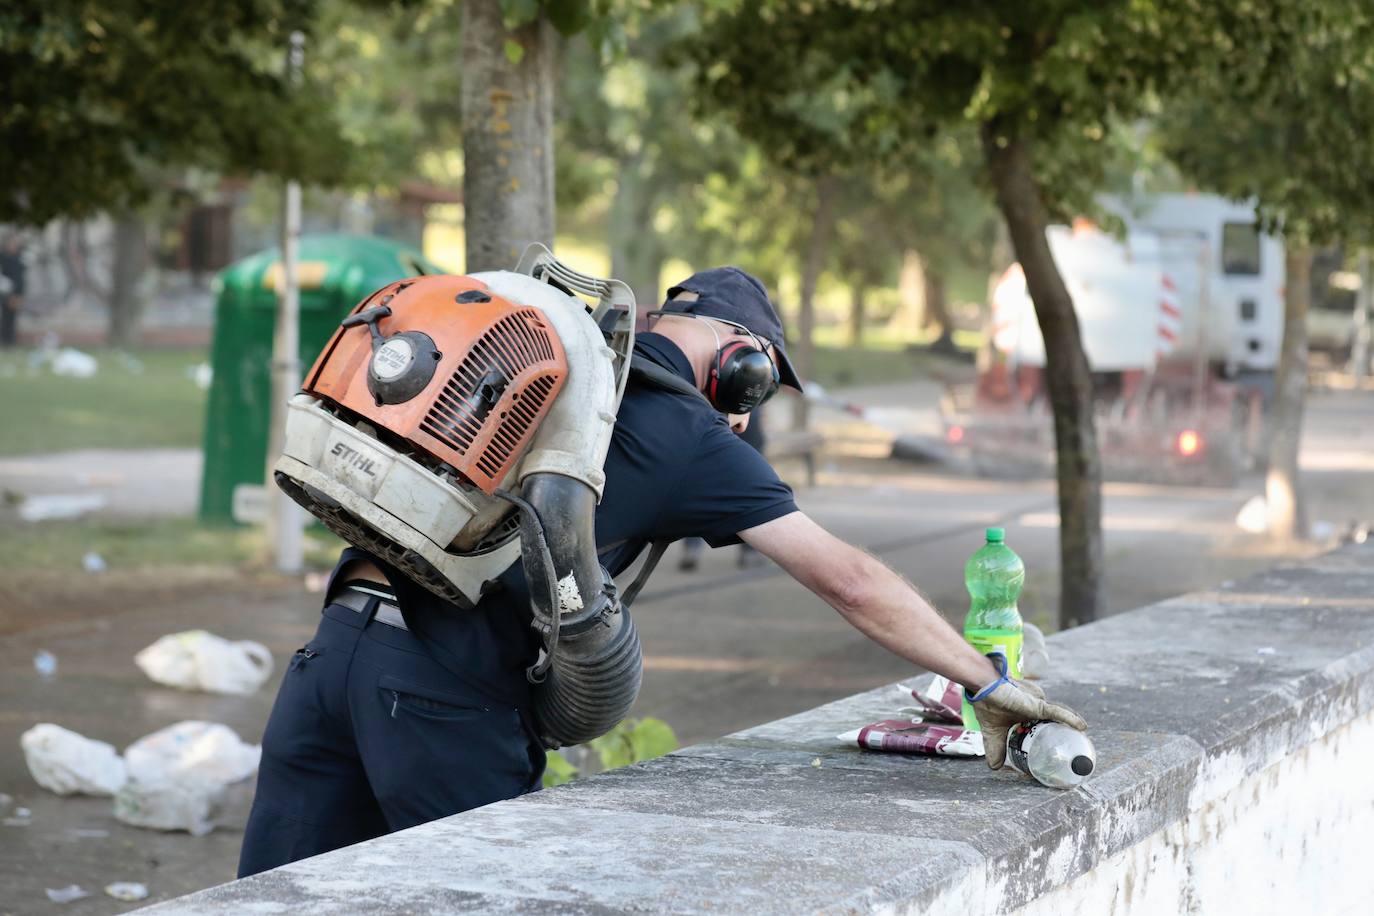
x=189 y=806
x=192 y=751
x=1035 y=655
x=1253 y=517
x=197 y=660
x=64 y=762
x=178 y=776
x=73 y=363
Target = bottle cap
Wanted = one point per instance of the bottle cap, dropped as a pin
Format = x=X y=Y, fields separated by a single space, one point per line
x=996 y=535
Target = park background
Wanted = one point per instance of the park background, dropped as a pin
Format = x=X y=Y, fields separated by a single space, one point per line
x=852 y=163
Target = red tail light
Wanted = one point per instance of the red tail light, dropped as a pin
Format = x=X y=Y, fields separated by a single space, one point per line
x=1188 y=443
x=955 y=434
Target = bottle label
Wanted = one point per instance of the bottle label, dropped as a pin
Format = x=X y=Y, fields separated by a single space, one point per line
x=1019 y=740
x=985 y=641
x=1009 y=644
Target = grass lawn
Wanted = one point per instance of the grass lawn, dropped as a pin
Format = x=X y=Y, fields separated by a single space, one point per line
x=842 y=367
x=147 y=399
x=58 y=546
x=140 y=399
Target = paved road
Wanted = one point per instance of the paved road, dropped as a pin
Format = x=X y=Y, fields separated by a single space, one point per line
x=725 y=648
x=142 y=483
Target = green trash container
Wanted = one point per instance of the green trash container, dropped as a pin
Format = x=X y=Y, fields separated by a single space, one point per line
x=336 y=272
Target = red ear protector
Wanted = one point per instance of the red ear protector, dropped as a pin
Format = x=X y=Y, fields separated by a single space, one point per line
x=742 y=377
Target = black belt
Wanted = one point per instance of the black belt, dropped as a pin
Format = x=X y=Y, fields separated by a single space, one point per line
x=386 y=612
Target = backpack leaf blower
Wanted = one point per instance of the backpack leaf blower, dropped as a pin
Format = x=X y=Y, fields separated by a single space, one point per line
x=455 y=424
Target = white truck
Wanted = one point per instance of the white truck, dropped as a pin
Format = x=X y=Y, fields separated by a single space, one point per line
x=1182 y=322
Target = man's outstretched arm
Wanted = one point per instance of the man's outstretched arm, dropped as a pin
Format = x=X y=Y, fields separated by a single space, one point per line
x=887 y=609
x=874 y=599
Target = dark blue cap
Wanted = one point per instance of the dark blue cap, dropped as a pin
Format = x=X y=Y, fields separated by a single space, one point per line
x=730 y=294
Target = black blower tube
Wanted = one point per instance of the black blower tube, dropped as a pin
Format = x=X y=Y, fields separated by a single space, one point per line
x=596 y=664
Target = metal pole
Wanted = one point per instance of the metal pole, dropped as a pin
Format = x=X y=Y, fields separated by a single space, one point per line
x=286 y=520
x=1359 y=352
x=1204 y=318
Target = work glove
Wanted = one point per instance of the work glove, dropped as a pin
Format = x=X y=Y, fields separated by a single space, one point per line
x=1005 y=702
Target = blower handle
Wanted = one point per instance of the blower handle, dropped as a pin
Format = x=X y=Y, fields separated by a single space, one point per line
x=369 y=317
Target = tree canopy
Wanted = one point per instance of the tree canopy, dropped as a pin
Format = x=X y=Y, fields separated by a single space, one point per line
x=827 y=86
x=97 y=96
x=1295 y=133
x=838 y=84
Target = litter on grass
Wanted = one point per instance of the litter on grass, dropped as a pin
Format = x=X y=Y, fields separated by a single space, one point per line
x=64 y=762
x=199 y=660
x=192 y=751
x=933 y=726
x=127 y=890
x=59 y=506
x=174 y=779
x=1253 y=517
x=202 y=374
x=72 y=363
x=45 y=663
x=178 y=776
x=67 y=894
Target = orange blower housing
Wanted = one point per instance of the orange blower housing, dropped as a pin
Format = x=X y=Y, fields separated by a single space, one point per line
x=497 y=368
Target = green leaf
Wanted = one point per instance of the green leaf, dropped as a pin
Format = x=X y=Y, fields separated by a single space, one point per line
x=569 y=16
x=557 y=771
x=614 y=748
x=652 y=738
x=516 y=13
x=634 y=740
x=515 y=51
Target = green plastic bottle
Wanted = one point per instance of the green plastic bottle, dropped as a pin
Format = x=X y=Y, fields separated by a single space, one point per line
x=994 y=576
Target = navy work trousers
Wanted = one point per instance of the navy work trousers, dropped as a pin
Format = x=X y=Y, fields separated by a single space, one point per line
x=370 y=735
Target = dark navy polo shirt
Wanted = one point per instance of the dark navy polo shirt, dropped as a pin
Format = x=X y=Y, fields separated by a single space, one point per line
x=674 y=470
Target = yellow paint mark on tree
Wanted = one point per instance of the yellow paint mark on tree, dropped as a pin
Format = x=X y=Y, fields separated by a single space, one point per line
x=500 y=100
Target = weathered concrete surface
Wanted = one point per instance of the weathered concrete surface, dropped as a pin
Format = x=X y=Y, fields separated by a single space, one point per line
x=1203 y=708
x=1292 y=838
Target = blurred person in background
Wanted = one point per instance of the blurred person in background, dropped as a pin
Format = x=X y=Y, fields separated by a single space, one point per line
x=11 y=288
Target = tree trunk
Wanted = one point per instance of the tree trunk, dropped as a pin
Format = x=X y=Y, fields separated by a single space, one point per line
x=1281 y=491
x=857 y=306
x=936 y=300
x=910 y=290
x=813 y=262
x=126 y=275
x=1359 y=348
x=507 y=112
x=1069 y=379
x=636 y=251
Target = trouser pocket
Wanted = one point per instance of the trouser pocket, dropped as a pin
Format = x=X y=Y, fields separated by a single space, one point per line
x=303 y=655
x=404 y=696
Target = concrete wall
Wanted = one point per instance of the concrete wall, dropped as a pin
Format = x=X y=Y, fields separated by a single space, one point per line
x=1292 y=838
x=1234 y=731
